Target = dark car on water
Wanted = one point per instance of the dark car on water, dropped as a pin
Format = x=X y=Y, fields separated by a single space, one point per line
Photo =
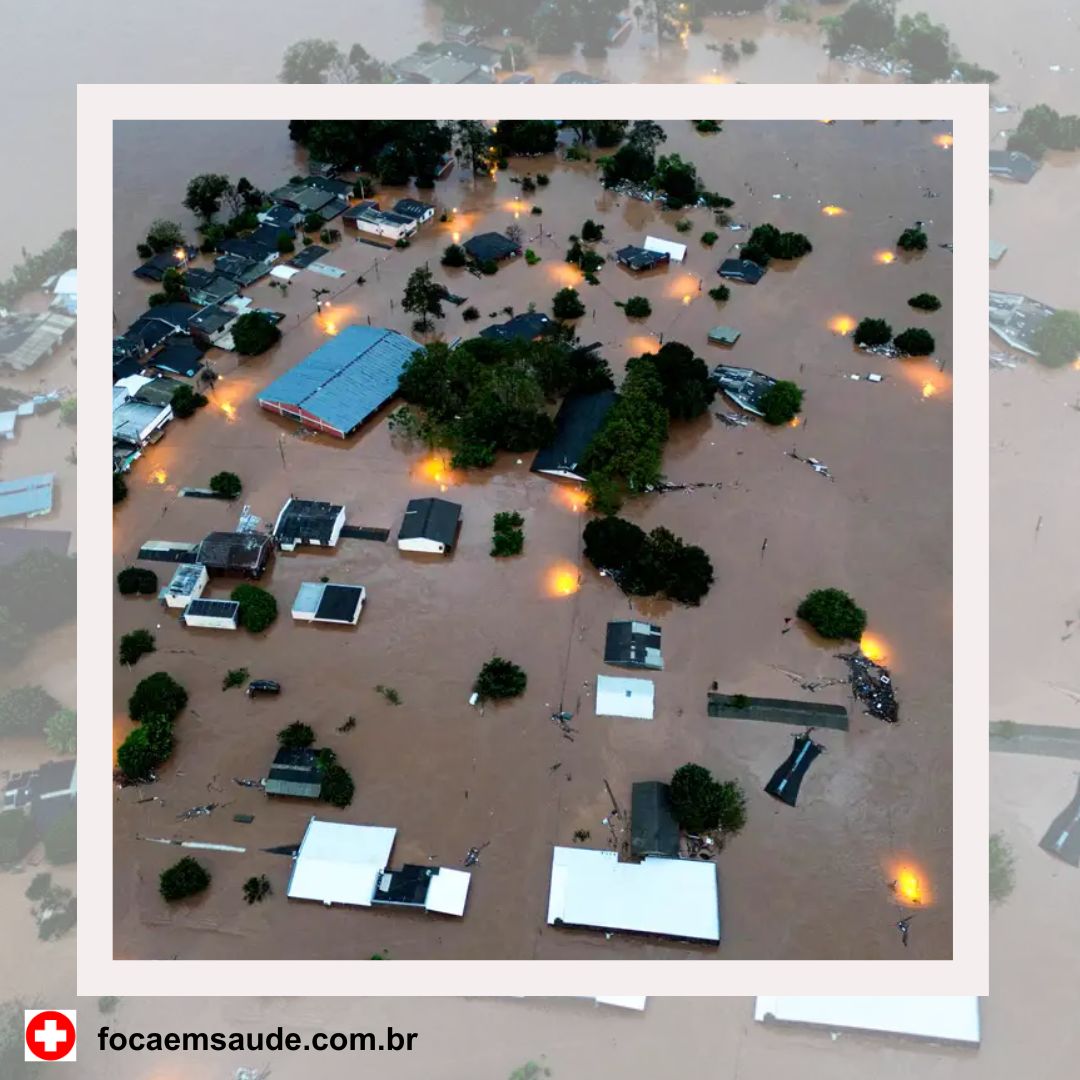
x=263 y=686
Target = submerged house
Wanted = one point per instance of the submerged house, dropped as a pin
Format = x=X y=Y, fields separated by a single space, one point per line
x=307 y=522
x=1013 y=165
x=325 y=602
x=742 y=270
x=578 y=420
x=212 y=614
x=383 y=224
x=187 y=584
x=415 y=209
x=342 y=383
x=529 y=326
x=676 y=898
x=430 y=526
x=32 y=496
x=744 y=386
x=45 y=793
x=339 y=863
x=491 y=247
x=674 y=250
x=632 y=698
x=639 y=258
x=633 y=643
x=1062 y=839
x=208 y=287
x=242 y=553
x=653 y=828
x=295 y=773
x=1016 y=319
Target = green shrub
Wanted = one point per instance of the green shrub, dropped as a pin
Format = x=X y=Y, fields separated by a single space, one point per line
x=781 y=402
x=592 y=232
x=683 y=225
x=915 y=342
x=912 y=240
x=134 y=645
x=531 y=257
x=234 y=677
x=136 y=579
x=508 y=537
x=637 y=307
x=1057 y=339
x=226 y=484
x=454 y=255
x=257 y=889
x=925 y=301
x=720 y=293
x=186 y=878
x=470 y=314
x=254 y=333
x=258 y=608
x=500 y=679
x=833 y=614
x=567 y=304
x=337 y=786
x=297 y=736
x=25 y=710
x=707 y=127
x=709 y=238
x=1002 y=869
x=157 y=695
x=61 y=732
x=872 y=332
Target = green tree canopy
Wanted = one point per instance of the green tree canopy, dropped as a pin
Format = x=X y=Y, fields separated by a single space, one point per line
x=781 y=402
x=25 y=710
x=701 y=804
x=254 y=333
x=915 y=342
x=337 y=786
x=186 y=878
x=423 y=297
x=833 y=614
x=137 y=579
x=258 y=608
x=913 y=239
x=686 y=387
x=226 y=484
x=185 y=401
x=872 y=332
x=500 y=679
x=134 y=645
x=925 y=302
x=297 y=736
x=164 y=236
x=567 y=304
x=205 y=193
x=60 y=732
x=1057 y=340
x=157 y=695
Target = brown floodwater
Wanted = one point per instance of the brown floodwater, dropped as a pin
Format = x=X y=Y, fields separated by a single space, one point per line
x=806 y=884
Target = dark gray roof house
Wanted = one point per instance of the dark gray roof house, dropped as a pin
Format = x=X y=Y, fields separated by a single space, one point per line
x=415 y=209
x=46 y=792
x=653 y=828
x=331 y=185
x=295 y=773
x=742 y=270
x=154 y=268
x=235 y=553
x=303 y=197
x=246 y=247
x=1013 y=165
x=212 y=321
x=632 y=643
x=241 y=270
x=182 y=355
x=1062 y=839
x=207 y=287
x=525 y=327
x=579 y=418
x=639 y=258
x=491 y=245
x=744 y=386
x=429 y=525
x=282 y=217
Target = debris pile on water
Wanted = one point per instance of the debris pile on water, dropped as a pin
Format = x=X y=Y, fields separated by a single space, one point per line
x=872 y=685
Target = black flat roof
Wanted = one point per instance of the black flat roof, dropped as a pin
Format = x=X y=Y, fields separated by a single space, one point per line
x=742 y=270
x=491 y=245
x=653 y=828
x=525 y=327
x=215 y=608
x=339 y=602
x=306 y=519
x=639 y=258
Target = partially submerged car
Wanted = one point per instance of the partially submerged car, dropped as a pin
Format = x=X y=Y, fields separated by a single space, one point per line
x=263 y=686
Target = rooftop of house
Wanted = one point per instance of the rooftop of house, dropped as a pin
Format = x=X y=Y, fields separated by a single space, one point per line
x=234 y=550
x=525 y=327
x=307 y=520
x=579 y=419
x=491 y=245
x=431 y=519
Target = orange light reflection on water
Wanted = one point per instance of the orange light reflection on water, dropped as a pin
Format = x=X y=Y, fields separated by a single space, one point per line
x=841 y=324
x=909 y=882
x=873 y=647
x=884 y=258
x=563 y=579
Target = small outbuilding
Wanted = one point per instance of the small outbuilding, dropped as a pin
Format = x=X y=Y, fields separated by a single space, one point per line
x=742 y=270
x=295 y=773
x=1013 y=165
x=491 y=247
x=187 y=584
x=639 y=259
x=418 y=211
x=653 y=828
x=430 y=526
x=212 y=614
x=430 y=888
x=323 y=601
x=724 y=335
x=307 y=522
x=632 y=698
x=633 y=643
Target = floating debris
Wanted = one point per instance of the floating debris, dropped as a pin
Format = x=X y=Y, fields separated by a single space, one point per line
x=197 y=811
x=248 y=783
x=872 y=685
x=818 y=466
x=733 y=419
x=472 y=856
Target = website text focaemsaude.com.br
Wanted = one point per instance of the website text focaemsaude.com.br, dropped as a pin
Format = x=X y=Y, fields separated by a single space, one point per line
x=276 y=1039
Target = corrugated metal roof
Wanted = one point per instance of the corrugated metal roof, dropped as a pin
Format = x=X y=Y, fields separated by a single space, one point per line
x=344 y=381
x=30 y=497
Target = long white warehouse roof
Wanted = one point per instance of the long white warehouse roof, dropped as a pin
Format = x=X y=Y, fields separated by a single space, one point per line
x=951 y=1019
x=339 y=863
x=673 y=897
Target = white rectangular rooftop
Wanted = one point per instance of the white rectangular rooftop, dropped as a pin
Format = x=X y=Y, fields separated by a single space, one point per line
x=666 y=247
x=624 y=697
x=339 y=863
x=673 y=897
x=447 y=891
x=950 y=1019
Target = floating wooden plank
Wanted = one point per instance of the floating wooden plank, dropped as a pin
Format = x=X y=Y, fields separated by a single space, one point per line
x=199 y=493
x=778 y=711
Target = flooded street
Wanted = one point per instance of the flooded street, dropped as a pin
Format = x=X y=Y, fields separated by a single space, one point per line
x=449 y=778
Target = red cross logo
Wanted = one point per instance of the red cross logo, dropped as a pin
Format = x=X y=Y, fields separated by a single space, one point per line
x=50 y=1034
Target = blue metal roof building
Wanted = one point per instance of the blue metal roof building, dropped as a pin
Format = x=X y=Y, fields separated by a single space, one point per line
x=337 y=387
x=29 y=497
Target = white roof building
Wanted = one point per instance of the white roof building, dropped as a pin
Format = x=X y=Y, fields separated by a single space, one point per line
x=947 y=1019
x=339 y=863
x=666 y=247
x=677 y=898
x=624 y=697
x=66 y=292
